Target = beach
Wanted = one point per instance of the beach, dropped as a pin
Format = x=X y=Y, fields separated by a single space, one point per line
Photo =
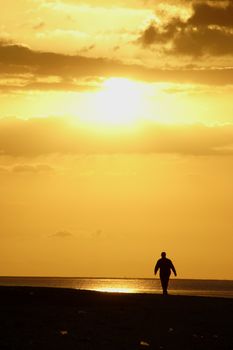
x=56 y=318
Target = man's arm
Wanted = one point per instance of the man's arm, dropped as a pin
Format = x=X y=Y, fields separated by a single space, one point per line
x=156 y=267
x=173 y=269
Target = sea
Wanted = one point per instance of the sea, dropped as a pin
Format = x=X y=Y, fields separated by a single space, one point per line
x=194 y=287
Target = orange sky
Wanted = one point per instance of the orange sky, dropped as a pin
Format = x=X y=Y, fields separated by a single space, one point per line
x=116 y=137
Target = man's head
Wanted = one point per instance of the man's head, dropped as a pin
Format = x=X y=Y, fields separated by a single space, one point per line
x=163 y=255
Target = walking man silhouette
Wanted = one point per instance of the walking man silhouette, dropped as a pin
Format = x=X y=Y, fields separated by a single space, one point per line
x=164 y=266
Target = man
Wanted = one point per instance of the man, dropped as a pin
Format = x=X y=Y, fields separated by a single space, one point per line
x=165 y=266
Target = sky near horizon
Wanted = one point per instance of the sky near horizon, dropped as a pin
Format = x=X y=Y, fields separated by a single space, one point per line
x=116 y=137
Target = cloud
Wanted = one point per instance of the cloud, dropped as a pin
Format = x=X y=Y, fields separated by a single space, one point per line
x=204 y=41
x=72 y=71
x=98 y=233
x=85 y=235
x=107 y=3
x=218 y=13
x=132 y=4
x=18 y=59
x=39 y=25
x=208 y=31
x=26 y=168
x=62 y=234
x=47 y=63
x=43 y=86
x=44 y=136
x=152 y=35
x=87 y=48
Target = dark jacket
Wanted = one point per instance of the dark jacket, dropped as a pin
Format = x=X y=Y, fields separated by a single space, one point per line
x=165 y=266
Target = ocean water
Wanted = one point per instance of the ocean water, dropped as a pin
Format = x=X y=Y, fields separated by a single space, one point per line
x=211 y=288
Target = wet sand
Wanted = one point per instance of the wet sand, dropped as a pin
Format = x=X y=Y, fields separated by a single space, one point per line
x=50 y=318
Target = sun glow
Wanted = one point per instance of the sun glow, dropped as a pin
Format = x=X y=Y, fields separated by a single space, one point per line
x=120 y=102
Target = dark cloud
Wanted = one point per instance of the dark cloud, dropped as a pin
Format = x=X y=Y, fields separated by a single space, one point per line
x=207 y=32
x=45 y=63
x=87 y=48
x=212 y=14
x=151 y=36
x=39 y=86
x=155 y=34
x=35 y=137
x=22 y=60
x=202 y=41
x=18 y=60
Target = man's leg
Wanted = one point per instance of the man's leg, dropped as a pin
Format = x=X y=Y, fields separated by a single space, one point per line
x=164 y=283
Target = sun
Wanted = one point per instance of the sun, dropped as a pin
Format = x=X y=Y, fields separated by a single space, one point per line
x=119 y=102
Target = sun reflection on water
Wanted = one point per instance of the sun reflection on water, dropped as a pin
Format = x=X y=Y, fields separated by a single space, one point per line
x=115 y=290
x=119 y=285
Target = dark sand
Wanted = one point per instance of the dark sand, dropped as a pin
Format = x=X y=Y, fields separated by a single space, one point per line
x=45 y=318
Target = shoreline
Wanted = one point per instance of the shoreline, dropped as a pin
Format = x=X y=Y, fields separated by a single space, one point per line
x=191 y=287
x=57 y=318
